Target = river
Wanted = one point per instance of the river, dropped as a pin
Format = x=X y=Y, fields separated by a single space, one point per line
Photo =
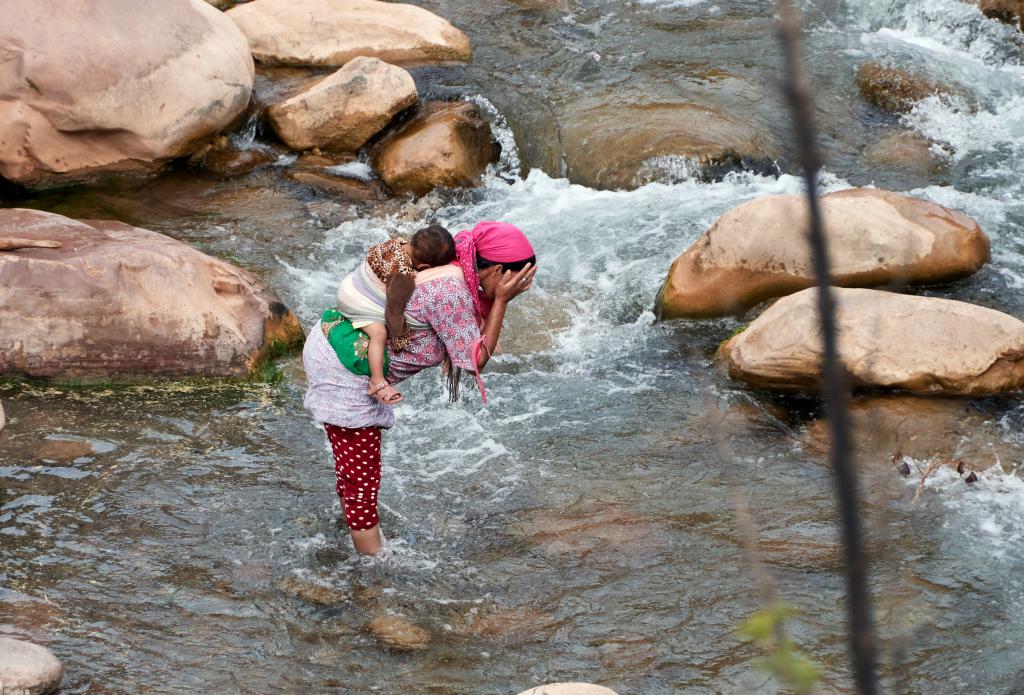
x=581 y=526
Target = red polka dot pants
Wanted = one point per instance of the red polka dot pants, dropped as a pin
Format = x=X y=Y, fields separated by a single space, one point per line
x=357 y=468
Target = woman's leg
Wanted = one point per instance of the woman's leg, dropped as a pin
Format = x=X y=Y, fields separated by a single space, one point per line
x=357 y=469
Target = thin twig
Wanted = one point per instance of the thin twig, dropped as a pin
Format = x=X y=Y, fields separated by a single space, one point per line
x=836 y=393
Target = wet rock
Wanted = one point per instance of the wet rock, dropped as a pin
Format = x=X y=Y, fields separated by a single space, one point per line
x=519 y=624
x=875 y=238
x=1007 y=11
x=625 y=144
x=311 y=591
x=444 y=145
x=921 y=428
x=345 y=110
x=917 y=344
x=399 y=633
x=186 y=75
x=905 y=151
x=63 y=450
x=333 y=32
x=569 y=689
x=224 y=158
x=339 y=186
x=895 y=90
x=117 y=300
x=28 y=669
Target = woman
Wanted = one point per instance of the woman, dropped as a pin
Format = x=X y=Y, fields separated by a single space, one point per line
x=464 y=306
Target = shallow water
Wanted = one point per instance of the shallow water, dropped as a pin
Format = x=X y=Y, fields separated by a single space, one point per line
x=582 y=526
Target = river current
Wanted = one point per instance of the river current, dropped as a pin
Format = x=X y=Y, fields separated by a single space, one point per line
x=582 y=526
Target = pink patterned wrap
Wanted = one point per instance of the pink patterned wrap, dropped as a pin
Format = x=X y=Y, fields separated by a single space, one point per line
x=496 y=241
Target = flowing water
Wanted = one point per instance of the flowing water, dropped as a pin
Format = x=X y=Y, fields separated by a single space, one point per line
x=186 y=537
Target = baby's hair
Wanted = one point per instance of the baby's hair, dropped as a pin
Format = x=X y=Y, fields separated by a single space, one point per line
x=433 y=245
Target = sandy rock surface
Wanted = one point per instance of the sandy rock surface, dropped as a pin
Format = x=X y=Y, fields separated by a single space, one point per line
x=917 y=344
x=116 y=300
x=114 y=85
x=759 y=250
x=333 y=32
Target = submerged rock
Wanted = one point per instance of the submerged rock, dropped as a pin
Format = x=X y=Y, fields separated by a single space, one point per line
x=759 y=250
x=223 y=158
x=333 y=32
x=895 y=90
x=28 y=669
x=343 y=111
x=569 y=689
x=76 y=100
x=444 y=145
x=117 y=300
x=399 y=633
x=625 y=144
x=917 y=344
x=63 y=450
x=1007 y=11
x=311 y=591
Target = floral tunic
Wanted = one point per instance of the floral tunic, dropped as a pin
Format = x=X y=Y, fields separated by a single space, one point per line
x=338 y=397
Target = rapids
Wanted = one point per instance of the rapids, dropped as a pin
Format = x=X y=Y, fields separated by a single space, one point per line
x=581 y=527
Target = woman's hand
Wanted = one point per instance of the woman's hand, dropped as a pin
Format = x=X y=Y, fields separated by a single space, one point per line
x=512 y=284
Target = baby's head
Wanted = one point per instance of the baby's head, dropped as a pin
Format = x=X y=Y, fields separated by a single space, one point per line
x=431 y=247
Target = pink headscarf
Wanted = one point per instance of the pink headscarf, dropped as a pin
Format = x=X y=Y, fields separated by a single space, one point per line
x=496 y=241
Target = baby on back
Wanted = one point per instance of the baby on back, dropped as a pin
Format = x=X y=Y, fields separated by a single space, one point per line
x=394 y=264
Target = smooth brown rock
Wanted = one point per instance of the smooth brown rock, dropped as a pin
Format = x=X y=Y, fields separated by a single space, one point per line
x=616 y=145
x=919 y=344
x=444 y=145
x=893 y=89
x=28 y=669
x=1007 y=11
x=114 y=85
x=339 y=186
x=759 y=250
x=333 y=32
x=117 y=300
x=399 y=633
x=63 y=450
x=569 y=689
x=343 y=111
x=906 y=151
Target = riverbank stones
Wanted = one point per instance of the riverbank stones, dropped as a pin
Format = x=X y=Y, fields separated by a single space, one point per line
x=333 y=32
x=114 y=86
x=923 y=345
x=894 y=89
x=344 y=110
x=120 y=301
x=759 y=250
x=28 y=669
x=569 y=689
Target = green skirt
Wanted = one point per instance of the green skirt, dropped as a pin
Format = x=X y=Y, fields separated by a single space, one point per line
x=351 y=345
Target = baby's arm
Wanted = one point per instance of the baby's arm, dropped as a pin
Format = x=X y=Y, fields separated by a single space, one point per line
x=400 y=287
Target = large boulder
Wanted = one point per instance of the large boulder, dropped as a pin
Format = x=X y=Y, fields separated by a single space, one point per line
x=28 y=669
x=919 y=344
x=115 y=300
x=620 y=144
x=333 y=32
x=343 y=111
x=114 y=85
x=444 y=145
x=894 y=89
x=569 y=689
x=759 y=250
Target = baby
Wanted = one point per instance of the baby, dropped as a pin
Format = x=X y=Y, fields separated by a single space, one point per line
x=395 y=264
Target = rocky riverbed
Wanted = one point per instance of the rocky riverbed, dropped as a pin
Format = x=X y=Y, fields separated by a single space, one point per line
x=582 y=526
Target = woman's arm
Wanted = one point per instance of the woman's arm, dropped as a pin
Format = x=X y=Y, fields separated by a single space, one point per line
x=509 y=287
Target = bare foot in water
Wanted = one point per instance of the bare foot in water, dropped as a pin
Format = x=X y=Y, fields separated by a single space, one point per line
x=385 y=393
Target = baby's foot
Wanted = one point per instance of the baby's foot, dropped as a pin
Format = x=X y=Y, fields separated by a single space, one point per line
x=385 y=393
